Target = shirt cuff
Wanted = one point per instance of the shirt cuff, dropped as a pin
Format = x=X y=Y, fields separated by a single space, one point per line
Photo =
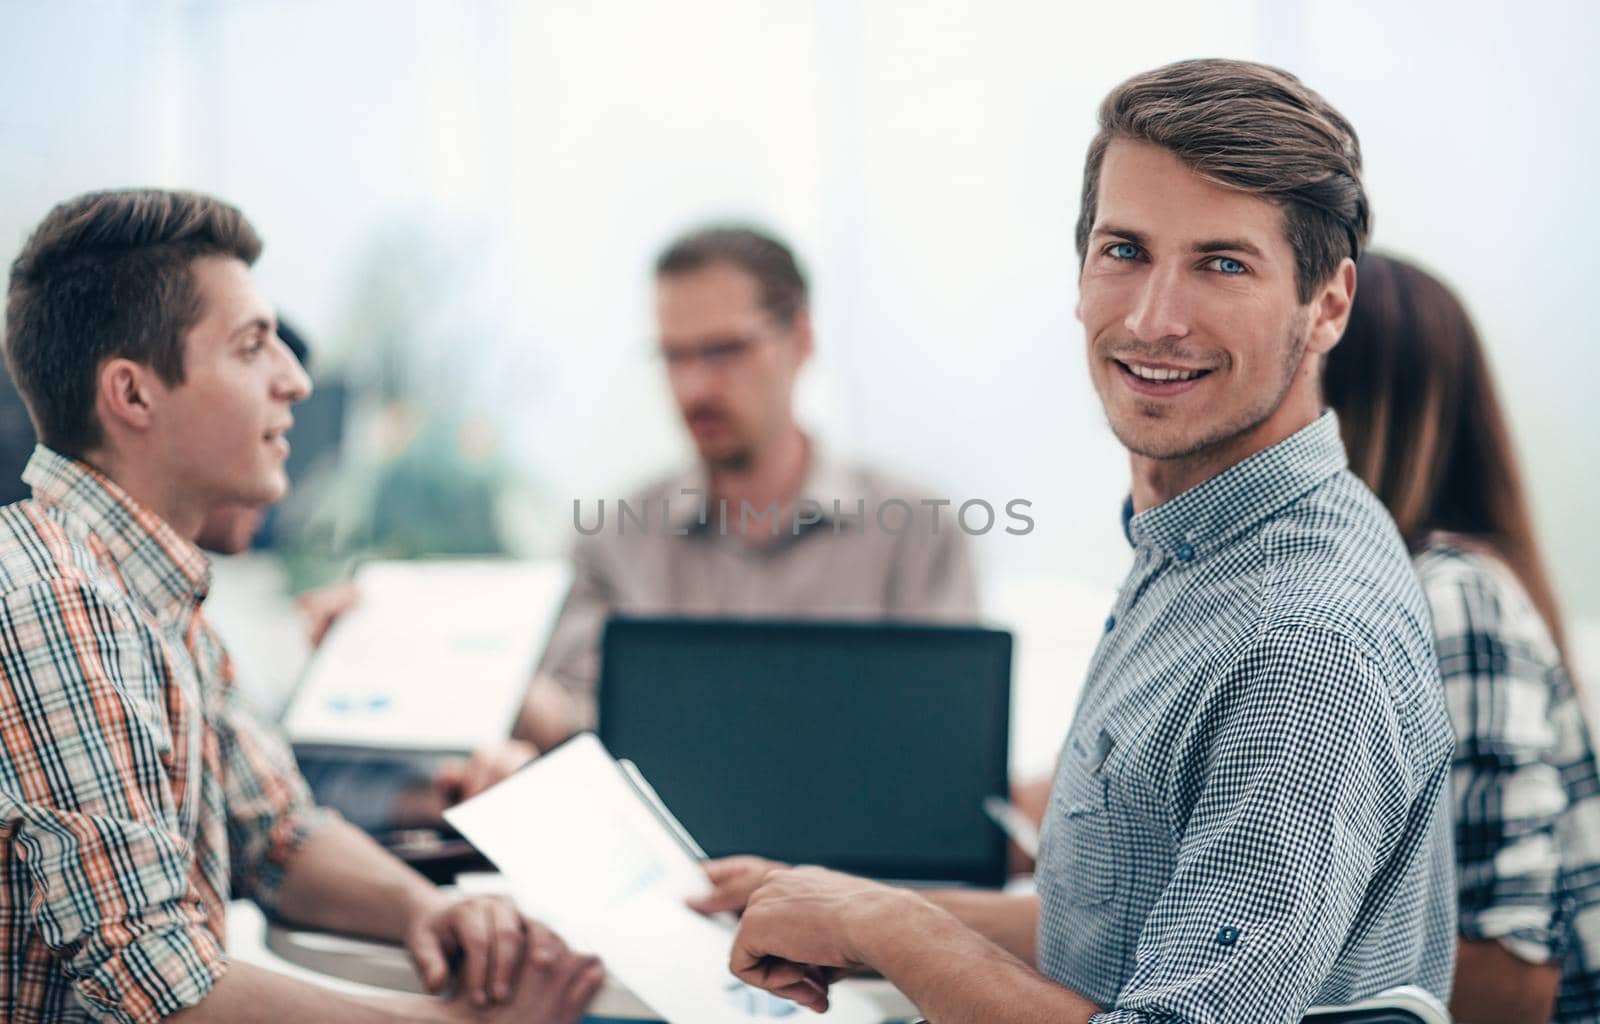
x=1527 y=931
x=288 y=834
x=154 y=976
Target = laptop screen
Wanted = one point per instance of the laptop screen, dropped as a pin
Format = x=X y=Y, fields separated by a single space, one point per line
x=867 y=748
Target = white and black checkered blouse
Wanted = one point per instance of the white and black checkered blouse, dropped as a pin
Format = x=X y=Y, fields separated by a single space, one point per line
x=1248 y=818
x=1527 y=799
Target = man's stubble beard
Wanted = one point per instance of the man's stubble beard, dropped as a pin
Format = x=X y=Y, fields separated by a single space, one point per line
x=1300 y=337
x=737 y=461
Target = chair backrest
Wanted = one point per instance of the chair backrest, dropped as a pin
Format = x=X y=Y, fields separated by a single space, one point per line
x=1404 y=1005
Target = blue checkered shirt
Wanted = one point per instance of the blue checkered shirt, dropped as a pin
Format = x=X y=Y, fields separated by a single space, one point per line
x=1249 y=816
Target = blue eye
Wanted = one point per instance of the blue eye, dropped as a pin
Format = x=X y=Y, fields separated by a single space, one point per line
x=1229 y=266
x=1124 y=251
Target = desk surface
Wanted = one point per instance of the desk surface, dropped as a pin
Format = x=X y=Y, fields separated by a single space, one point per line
x=358 y=966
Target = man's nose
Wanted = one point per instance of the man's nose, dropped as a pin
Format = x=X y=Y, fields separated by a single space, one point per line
x=1161 y=310
x=291 y=383
x=693 y=380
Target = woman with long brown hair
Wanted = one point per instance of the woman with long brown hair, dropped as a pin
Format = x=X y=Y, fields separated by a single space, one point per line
x=1424 y=429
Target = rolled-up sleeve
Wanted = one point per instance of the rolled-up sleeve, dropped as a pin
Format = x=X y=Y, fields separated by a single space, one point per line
x=87 y=806
x=1507 y=695
x=571 y=657
x=270 y=809
x=1294 y=789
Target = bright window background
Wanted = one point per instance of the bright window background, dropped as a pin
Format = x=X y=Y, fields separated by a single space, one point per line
x=506 y=171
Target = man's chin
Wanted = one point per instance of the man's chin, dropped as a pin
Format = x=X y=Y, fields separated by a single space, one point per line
x=726 y=458
x=268 y=491
x=1162 y=440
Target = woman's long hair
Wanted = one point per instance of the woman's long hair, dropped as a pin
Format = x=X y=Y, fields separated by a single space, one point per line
x=1423 y=424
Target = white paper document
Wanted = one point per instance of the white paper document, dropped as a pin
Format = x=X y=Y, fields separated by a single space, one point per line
x=436 y=656
x=585 y=852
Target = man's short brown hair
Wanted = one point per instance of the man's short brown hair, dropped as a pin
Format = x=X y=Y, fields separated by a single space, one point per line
x=778 y=275
x=108 y=275
x=1254 y=128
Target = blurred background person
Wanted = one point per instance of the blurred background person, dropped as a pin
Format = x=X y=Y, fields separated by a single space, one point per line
x=764 y=524
x=1423 y=424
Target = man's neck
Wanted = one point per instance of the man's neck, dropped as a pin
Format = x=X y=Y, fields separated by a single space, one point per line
x=151 y=489
x=1157 y=481
x=775 y=474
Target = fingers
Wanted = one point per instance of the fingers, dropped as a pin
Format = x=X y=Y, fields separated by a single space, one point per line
x=806 y=992
x=732 y=879
x=544 y=946
x=447 y=780
x=506 y=949
x=484 y=769
x=429 y=957
x=322 y=608
x=462 y=780
x=581 y=989
x=794 y=982
x=474 y=927
x=726 y=868
x=558 y=991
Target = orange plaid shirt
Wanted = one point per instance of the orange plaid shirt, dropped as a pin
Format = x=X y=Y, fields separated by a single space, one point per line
x=136 y=790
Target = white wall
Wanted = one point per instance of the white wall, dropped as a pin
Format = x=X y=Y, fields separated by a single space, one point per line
x=924 y=157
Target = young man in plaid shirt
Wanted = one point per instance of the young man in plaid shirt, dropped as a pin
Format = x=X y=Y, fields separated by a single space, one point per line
x=1247 y=818
x=136 y=793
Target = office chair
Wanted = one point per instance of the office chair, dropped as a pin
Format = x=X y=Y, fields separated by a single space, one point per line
x=1406 y=1004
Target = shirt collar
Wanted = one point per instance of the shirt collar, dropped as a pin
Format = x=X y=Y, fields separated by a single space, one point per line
x=827 y=481
x=1205 y=517
x=160 y=568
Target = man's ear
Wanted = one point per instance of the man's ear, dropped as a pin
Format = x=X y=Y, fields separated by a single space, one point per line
x=124 y=392
x=1330 y=308
x=804 y=340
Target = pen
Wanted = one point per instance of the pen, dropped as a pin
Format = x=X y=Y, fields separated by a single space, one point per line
x=1014 y=824
x=652 y=799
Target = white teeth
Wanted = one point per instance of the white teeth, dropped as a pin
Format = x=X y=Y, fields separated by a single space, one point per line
x=1160 y=373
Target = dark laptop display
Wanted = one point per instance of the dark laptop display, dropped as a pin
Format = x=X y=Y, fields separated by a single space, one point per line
x=863 y=747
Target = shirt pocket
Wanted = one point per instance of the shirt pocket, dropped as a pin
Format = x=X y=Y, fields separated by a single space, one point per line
x=1082 y=855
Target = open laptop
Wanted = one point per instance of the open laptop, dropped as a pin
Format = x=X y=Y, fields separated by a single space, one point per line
x=864 y=747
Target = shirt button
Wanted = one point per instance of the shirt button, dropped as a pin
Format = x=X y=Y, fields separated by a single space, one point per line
x=1185 y=551
x=1227 y=935
x=1111 y=623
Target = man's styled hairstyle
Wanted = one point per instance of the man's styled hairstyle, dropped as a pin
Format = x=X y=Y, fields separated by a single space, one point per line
x=763 y=257
x=108 y=275
x=1254 y=128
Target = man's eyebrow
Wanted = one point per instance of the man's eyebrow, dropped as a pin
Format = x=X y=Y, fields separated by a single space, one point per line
x=256 y=323
x=1136 y=237
x=1229 y=245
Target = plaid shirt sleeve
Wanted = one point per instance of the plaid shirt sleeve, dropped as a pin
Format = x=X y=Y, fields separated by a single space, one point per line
x=86 y=796
x=1291 y=787
x=270 y=810
x=1507 y=696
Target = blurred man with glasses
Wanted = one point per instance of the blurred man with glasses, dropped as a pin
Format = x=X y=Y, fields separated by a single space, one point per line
x=765 y=523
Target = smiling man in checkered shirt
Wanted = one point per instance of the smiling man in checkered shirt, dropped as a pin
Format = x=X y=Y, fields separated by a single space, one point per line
x=1247 y=816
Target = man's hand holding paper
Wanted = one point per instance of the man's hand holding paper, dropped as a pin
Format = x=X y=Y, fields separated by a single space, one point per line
x=612 y=874
x=795 y=937
x=733 y=881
